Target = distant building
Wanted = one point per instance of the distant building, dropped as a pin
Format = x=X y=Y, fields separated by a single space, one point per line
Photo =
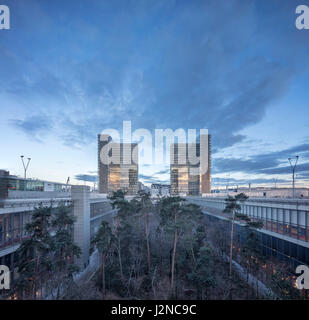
x=259 y=192
x=188 y=177
x=15 y=187
x=158 y=189
x=165 y=190
x=142 y=187
x=119 y=170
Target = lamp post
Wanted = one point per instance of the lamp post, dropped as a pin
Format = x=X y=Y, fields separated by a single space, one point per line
x=293 y=172
x=25 y=167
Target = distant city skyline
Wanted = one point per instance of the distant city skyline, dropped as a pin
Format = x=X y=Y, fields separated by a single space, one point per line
x=71 y=69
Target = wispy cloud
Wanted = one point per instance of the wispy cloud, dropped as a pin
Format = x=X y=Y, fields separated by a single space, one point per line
x=86 y=177
x=33 y=126
x=264 y=163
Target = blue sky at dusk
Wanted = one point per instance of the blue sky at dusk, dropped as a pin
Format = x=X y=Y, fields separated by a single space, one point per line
x=70 y=69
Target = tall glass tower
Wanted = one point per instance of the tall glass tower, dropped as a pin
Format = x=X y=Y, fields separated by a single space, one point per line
x=190 y=165
x=117 y=166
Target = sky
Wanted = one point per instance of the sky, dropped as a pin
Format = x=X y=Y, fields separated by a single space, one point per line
x=70 y=69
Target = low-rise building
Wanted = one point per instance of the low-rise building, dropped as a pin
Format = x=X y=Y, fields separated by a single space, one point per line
x=17 y=206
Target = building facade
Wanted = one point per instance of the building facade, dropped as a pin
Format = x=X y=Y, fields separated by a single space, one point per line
x=89 y=209
x=190 y=167
x=285 y=231
x=160 y=190
x=117 y=166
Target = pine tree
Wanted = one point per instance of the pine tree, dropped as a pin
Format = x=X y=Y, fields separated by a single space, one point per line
x=233 y=206
x=145 y=207
x=191 y=217
x=202 y=275
x=64 y=248
x=122 y=230
x=180 y=220
x=34 y=254
x=169 y=219
x=103 y=240
x=251 y=252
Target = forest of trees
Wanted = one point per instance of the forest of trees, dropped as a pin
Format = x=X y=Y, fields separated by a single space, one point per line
x=153 y=249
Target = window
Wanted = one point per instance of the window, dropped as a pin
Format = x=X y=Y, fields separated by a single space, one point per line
x=274 y=226
x=268 y=225
x=16 y=227
x=294 y=232
x=7 y=229
x=26 y=219
x=286 y=229
x=280 y=228
x=302 y=233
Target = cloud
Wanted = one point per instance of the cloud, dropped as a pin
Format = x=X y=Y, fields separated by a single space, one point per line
x=303 y=176
x=178 y=64
x=264 y=163
x=86 y=177
x=304 y=167
x=33 y=126
x=162 y=64
x=164 y=171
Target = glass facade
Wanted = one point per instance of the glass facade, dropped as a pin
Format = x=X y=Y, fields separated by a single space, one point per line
x=114 y=178
x=186 y=169
x=182 y=182
x=271 y=246
x=123 y=175
x=12 y=228
x=34 y=185
x=291 y=223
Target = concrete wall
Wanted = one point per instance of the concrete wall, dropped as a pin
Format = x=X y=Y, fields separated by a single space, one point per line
x=81 y=210
x=100 y=210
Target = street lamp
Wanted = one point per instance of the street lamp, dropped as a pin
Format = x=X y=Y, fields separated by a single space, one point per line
x=25 y=167
x=293 y=172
